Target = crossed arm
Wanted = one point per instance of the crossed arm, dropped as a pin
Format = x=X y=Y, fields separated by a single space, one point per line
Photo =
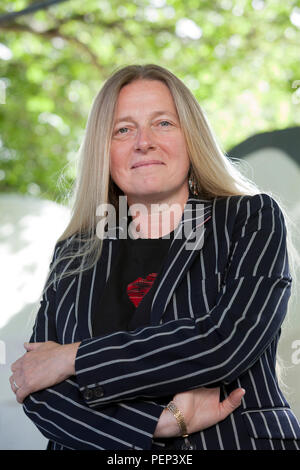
x=52 y=363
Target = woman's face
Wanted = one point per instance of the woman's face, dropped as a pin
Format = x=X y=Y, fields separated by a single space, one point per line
x=149 y=158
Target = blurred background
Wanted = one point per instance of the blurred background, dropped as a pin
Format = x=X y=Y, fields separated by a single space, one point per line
x=239 y=58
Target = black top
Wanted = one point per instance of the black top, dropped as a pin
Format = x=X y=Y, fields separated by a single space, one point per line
x=126 y=300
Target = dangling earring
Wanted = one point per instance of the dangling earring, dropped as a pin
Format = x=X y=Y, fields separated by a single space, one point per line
x=192 y=183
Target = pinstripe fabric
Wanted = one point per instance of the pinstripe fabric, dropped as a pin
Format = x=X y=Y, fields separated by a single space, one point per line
x=215 y=321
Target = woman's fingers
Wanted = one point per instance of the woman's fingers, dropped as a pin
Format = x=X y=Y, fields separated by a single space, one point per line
x=32 y=346
x=232 y=402
x=43 y=365
x=201 y=409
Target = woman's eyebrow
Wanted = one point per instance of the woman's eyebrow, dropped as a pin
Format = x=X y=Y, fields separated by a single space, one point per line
x=154 y=114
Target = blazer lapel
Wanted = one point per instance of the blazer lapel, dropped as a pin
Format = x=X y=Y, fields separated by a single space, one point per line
x=91 y=283
x=196 y=224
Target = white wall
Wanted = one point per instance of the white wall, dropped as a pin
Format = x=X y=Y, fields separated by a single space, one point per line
x=29 y=228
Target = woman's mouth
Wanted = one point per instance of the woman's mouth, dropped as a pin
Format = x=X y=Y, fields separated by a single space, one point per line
x=147 y=163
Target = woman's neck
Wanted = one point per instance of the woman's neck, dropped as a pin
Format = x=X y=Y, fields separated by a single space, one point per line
x=156 y=219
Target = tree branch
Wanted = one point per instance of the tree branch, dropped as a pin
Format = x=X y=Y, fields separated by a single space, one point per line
x=8 y=17
x=50 y=33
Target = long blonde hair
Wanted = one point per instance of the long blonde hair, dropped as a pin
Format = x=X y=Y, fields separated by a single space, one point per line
x=214 y=173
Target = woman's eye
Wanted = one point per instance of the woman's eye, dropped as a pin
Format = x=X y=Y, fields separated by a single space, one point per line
x=165 y=123
x=120 y=131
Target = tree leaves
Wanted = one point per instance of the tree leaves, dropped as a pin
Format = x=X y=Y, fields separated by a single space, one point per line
x=239 y=58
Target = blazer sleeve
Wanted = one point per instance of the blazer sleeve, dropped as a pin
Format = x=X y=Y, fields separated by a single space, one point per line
x=62 y=415
x=215 y=346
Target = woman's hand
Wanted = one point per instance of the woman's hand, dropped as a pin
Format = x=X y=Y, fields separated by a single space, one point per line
x=43 y=365
x=201 y=409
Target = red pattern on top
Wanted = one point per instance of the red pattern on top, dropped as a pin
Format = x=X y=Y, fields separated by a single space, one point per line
x=137 y=289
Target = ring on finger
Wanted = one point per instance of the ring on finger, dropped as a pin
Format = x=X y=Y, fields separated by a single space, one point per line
x=15 y=385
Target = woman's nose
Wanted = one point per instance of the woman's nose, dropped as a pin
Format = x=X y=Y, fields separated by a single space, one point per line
x=144 y=139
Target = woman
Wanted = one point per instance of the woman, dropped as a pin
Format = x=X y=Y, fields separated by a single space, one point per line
x=197 y=302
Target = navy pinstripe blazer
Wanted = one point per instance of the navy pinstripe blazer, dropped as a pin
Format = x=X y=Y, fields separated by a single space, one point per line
x=215 y=321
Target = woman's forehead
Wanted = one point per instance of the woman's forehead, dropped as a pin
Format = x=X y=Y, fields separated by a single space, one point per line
x=147 y=95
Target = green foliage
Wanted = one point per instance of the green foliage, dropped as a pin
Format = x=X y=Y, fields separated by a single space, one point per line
x=240 y=59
